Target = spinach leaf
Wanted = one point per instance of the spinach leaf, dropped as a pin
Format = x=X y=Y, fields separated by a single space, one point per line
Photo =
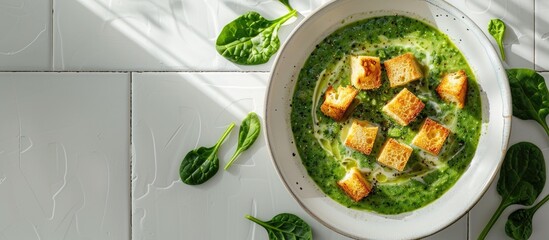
x=496 y=28
x=202 y=163
x=287 y=4
x=249 y=131
x=521 y=179
x=530 y=96
x=250 y=39
x=519 y=223
x=285 y=226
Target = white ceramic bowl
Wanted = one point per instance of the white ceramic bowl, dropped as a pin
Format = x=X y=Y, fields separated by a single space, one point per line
x=496 y=112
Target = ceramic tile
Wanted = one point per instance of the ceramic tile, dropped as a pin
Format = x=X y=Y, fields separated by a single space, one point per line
x=456 y=231
x=522 y=130
x=542 y=35
x=25 y=42
x=518 y=16
x=153 y=35
x=64 y=156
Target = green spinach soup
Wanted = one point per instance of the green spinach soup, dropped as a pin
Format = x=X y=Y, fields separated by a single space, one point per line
x=320 y=139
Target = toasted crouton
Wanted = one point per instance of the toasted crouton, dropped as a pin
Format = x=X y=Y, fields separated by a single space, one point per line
x=431 y=136
x=402 y=69
x=394 y=154
x=453 y=88
x=404 y=107
x=365 y=72
x=336 y=103
x=355 y=185
x=361 y=136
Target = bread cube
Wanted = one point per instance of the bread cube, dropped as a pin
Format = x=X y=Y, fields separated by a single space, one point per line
x=431 y=136
x=404 y=107
x=365 y=72
x=355 y=185
x=453 y=88
x=336 y=102
x=361 y=136
x=402 y=69
x=394 y=154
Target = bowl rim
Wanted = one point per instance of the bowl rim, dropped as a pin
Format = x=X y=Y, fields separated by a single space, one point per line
x=504 y=89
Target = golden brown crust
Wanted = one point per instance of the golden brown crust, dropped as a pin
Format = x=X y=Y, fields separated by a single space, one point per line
x=402 y=69
x=355 y=185
x=404 y=107
x=453 y=88
x=361 y=136
x=365 y=72
x=394 y=154
x=336 y=102
x=431 y=136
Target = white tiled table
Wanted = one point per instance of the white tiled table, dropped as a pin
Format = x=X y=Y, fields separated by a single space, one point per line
x=92 y=134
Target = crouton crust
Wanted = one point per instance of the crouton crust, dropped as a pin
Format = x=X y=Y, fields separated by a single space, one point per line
x=395 y=154
x=355 y=185
x=336 y=102
x=365 y=72
x=361 y=136
x=402 y=70
x=431 y=136
x=404 y=107
x=453 y=88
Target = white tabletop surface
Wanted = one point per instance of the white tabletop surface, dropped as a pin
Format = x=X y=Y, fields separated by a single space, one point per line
x=101 y=99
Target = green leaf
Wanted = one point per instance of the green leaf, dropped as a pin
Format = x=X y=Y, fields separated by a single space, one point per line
x=285 y=226
x=249 y=131
x=529 y=95
x=522 y=175
x=202 y=163
x=250 y=39
x=287 y=4
x=521 y=179
x=496 y=28
x=519 y=223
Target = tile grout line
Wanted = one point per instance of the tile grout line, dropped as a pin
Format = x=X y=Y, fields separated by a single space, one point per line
x=468 y=225
x=534 y=38
x=131 y=155
x=52 y=2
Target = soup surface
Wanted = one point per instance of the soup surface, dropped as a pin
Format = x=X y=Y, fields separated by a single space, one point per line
x=319 y=139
